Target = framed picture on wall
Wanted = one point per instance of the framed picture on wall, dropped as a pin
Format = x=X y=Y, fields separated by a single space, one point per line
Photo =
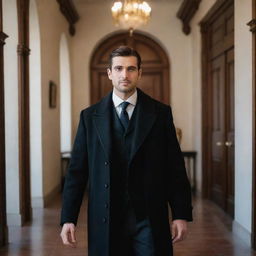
x=52 y=94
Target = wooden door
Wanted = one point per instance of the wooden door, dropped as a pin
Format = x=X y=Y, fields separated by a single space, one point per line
x=230 y=130
x=218 y=102
x=155 y=66
x=218 y=178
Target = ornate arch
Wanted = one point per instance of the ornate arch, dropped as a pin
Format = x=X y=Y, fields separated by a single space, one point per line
x=155 y=65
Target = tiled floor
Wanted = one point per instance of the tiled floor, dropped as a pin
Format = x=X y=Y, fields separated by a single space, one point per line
x=209 y=235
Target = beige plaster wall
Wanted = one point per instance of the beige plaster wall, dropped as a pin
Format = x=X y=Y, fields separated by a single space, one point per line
x=243 y=120
x=52 y=25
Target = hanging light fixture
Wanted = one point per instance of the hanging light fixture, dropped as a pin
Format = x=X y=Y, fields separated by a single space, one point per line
x=131 y=14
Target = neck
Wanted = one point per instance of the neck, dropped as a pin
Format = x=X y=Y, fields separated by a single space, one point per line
x=124 y=95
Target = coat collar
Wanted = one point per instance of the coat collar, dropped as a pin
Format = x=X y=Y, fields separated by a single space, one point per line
x=145 y=118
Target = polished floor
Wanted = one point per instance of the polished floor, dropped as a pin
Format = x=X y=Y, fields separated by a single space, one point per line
x=209 y=235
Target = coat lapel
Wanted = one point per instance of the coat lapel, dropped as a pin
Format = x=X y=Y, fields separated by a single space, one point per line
x=102 y=120
x=145 y=118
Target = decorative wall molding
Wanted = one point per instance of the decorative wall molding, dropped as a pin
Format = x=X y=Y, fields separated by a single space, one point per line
x=23 y=50
x=3 y=36
x=252 y=25
x=68 y=9
x=186 y=12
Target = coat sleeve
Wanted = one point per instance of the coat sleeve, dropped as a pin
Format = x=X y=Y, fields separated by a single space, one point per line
x=76 y=177
x=178 y=187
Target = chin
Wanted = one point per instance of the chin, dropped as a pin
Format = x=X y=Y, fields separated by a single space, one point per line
x=127 y=90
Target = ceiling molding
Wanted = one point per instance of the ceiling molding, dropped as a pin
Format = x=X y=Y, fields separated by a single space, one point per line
x=68 y=9
x=186 y=12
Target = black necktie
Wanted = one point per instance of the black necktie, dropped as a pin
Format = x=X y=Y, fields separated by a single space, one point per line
x=124 y=115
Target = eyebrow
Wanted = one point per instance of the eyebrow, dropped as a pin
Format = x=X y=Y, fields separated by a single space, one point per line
x=120 y=66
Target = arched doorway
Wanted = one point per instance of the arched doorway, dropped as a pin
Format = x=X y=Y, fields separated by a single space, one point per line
x=155 y=66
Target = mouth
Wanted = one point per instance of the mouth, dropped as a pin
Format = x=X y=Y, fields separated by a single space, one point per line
x=124 y=82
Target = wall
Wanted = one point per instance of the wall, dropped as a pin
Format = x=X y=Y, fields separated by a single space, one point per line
x=164 y=27
x=10 y=27
x=65 y=96
x=36 y=150
x=243 y=120
x=52 y=25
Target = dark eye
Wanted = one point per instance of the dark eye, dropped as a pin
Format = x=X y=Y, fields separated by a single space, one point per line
x=118 y=68
x=132 y=69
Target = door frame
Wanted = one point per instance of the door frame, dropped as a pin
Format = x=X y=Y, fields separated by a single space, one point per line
x=206 y=100
x=23 y=52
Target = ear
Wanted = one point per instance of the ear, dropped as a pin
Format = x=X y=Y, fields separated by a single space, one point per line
x=109 y=73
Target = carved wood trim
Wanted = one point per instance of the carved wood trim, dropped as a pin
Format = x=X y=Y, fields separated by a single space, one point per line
x=220 y=4
x=252 y=25
x=3 y=36
x=23 y=50
x=23 y=101
x=186 y=12
x=69 y=11
x=3 y=225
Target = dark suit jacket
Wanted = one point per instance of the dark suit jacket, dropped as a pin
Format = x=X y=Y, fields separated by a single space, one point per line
x=155 y=150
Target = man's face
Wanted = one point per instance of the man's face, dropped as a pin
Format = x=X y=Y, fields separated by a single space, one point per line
x=124 y=74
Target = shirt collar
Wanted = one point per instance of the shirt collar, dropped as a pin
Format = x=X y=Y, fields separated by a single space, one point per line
x=132 y=99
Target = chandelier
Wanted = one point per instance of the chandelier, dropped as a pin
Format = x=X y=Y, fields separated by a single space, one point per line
x=131 y=14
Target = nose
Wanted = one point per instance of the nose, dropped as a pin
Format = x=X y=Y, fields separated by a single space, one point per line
x=124 y=73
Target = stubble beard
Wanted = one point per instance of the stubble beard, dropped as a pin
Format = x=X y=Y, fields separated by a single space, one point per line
x=125 y=89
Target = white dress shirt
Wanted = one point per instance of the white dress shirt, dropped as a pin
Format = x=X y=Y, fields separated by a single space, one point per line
x=130 y=108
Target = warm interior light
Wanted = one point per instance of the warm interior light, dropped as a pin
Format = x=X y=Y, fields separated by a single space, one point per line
x=131 y=13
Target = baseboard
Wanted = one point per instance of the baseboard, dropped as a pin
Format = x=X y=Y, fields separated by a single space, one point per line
x=242 y=233
x=37 y=202
x=13 y=219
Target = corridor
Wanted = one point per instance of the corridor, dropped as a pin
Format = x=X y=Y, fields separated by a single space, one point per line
x=198 y=56
x=210 y=235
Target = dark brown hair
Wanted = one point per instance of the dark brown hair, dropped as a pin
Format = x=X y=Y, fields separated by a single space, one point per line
x=124 y=51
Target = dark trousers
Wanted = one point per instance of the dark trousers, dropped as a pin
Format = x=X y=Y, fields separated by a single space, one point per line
x=137 y=237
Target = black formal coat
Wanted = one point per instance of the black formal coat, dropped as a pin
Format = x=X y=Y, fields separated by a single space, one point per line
x=155 y=151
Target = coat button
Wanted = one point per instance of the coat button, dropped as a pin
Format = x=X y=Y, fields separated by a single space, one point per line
x=106 y=185
x=106 y=163
x=106 y=205
x=104 y=220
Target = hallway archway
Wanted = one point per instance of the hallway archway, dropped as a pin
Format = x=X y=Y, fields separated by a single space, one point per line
x=155 y=66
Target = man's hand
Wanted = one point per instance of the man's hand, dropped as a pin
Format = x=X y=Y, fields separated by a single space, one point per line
x=179 y=230
x=68 y=234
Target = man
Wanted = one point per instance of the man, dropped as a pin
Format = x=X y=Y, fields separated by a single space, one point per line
x=126 y=149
